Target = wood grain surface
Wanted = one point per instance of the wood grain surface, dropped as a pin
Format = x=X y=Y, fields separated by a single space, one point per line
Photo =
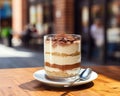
x=20 y=82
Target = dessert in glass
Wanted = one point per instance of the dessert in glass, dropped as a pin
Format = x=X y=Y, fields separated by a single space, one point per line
x=62 y=55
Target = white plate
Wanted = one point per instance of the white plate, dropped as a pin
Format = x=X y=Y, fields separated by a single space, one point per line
x=40 y=75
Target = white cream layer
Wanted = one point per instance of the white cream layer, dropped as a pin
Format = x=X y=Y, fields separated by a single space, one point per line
x=68 y=49
x=62 y=60
x=72 y=71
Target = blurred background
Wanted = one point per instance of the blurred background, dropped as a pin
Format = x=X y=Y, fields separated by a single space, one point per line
x=23 y=23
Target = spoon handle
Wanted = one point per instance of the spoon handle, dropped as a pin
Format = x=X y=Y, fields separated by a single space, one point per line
x=71 y=83
x=83 y=76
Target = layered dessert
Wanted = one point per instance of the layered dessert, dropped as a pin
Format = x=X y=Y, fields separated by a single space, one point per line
x=62 y=55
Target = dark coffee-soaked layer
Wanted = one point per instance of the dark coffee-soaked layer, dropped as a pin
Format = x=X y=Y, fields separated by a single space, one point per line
x=63 y=67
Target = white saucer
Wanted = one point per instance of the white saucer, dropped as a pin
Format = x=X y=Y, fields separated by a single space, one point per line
x=40 y=75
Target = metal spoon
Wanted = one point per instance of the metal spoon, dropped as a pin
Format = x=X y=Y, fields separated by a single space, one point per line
x=83 y=76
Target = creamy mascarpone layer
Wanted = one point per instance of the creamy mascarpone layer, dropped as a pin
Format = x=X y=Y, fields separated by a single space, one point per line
x=73 y=71
x=68 y=49
x=62 y=60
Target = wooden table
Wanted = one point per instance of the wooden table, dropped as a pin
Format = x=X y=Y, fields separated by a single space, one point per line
x=19 y=82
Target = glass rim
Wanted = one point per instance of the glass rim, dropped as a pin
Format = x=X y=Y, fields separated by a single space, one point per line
x=66 y=34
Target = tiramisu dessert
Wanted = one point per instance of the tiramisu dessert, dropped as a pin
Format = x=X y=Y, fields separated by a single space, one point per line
x=62 y=55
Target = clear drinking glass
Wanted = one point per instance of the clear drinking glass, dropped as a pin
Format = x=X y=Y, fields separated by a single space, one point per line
x=62 y=55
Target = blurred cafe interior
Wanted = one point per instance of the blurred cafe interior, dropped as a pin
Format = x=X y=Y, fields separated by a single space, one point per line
x=69 y=16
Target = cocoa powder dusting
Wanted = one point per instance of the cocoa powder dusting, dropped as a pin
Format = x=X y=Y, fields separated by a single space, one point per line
x=62 y=39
